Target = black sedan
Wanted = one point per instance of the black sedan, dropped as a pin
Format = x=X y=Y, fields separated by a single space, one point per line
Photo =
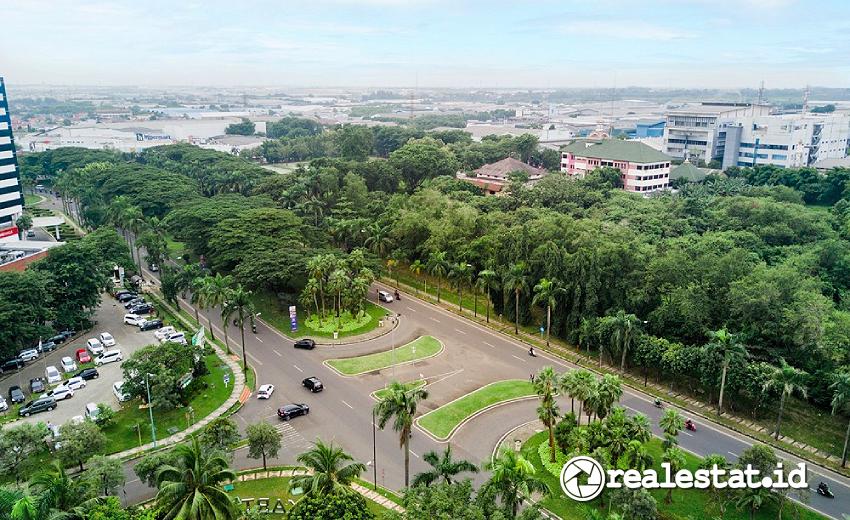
x=150 y=325
x=307 y=344
x=127 y=296
x=142 y=308
x=288 y=411
x=37 y=385
x=313 y=384
x=12 y=364
x=88 y=373
x=16 y=395
x=59 y=338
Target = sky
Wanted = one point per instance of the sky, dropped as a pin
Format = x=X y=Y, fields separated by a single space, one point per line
x=427 y=43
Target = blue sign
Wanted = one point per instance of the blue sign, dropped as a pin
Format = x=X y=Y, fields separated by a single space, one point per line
x=293 y=318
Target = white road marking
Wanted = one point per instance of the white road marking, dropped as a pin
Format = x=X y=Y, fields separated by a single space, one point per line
x=519 y=358
x=257 y=361
x=460 y=331
x=298 y=369
x=276 y=352
x=411 y=309
x=258 y=339
x=489 y=344
x=346 y=404
x=433 y=319
x=688 y=434
x=732 y=453
x=414 y=454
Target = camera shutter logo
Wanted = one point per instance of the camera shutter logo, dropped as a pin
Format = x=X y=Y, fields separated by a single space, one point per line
x=582 y=478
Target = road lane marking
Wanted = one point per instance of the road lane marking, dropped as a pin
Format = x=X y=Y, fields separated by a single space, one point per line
x=489 y=344
x=688 y=434
x=257 y=361
x=346 y=404
x=276 y=352
x=732 y=453
x=258 y=339
x=414 y=454
x=519 y=358
x=411 y=309
x=298 y=369
x=433 y=319
x=460 y=331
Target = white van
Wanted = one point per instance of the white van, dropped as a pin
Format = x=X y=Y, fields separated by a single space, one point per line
x=120 y=394
x=91 y=411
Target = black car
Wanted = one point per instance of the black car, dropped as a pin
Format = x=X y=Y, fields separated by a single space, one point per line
x=122 y=292
x=133 y=302
x=306 y=343
x=16 y=395
x=47 y=346
x=59 y=338
x=150 y=325
x=37 y=385
x=12 y=364
x=313 y=384
x=288 y=411
x=88 y=373
x=68 y=333
x=144 y=308
x=44 y=404
x=126 y=296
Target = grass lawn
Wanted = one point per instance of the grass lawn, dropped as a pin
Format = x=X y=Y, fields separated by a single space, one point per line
x=441 y=422
x=274 y=488
x=276 y=314
x=379 y=394
x=422 y=347
x=175 y=248
x=688 y=504
x=30 y=199
x=132 y=421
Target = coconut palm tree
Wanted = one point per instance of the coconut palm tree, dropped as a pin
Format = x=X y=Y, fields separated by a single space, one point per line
x=437 y=266
x=461 y=273
x=319 y=267
x=513 y=480
x=338 y=281
x=516 y=280
x=841 y=400
x=584 y=385
x=17 y=505
x=239 y=306
x=214 y=291
x=57 y=495
x=789 y=380
x=610 y=390
x=444 y=468
x=546 y=292
x=416 y=268
x=752 y=500
x=379 y=240
x=586 y=333
x=487 y=279
x=190 y=489
x=636 y=456
x=567 y=386
x=674 y=456
x=623 y=328
x=728 y=347
x=671 y=423
x=134 y=221
x=399 y=403
x=545 y=386
x=332 y=470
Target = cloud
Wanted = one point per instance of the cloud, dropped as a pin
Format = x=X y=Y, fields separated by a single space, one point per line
x=623 y=29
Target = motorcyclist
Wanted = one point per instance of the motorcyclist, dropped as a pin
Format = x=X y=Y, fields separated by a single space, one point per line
x=396 y=295
x=658 y=402
x=689 y=424
x=531 y=352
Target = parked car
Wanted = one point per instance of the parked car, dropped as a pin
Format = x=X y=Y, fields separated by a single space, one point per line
x=133 y=302
x=47 y=346
x=37 y=385
x=163 y=332
x=95 y=346
x=306 y=343
x=120 y=394
x=68 y=334
x=313 y=384
x=91 y=411
x=83 y=355
x=3 y=404
x=28 y=355
x=75 y=383
x=175 y=337
x=12 y=364
x=384 y=296
x=288 y=411
x=68 y=365
x=123 y=292
x=154 y=268
x=150 y=324
x=42 y=404
x=109 y=356
x=132 y=319
x=53 y=375
x=16 y=395
x=126 y=296
x=265 y=391
x=59 y=338
x=142 y=308
x=107 y=340
x=88 y=373
x=60 y=393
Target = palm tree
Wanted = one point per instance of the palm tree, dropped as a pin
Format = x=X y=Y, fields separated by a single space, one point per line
x=416 y=268
x=437 y=267
x=671 y=423
x=56 y=492
x=567 y=386
x=623 y=327
x=189 y=490
x=636 y=456
x=444 y=468
x=546 y=292
x=728 y=347
x=240 y=306
x=399 y=403
x=790 y=380
x=840 y=400
x=311 y=295
x=332 y=470
x=516 y=280
x=461 y=273
x=676 y=458
x=585 y=383
x=610 y=390
x=545 y=386
x=586 y=333
x=513 y=480
x=116 y=210
x=379 y=241
x=753 y=499
x=214 y=291
x=487 y=279
x=319 y=267
x=338 y=281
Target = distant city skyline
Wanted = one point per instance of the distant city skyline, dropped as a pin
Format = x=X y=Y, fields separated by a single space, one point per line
x=428 y=43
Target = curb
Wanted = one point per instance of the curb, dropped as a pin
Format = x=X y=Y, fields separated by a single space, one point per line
x=413 y=361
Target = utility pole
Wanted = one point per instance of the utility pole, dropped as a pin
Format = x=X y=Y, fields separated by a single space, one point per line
x=150 y=409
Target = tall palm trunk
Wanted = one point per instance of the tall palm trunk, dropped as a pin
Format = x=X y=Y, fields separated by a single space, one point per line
x=626 y=339
x=244 y=350
x=488 y=303
x=779 y=419
x=406 y=459
x=844 y=452
x=475 y=302
x=516 y=312
x=548 y=324
x=226 y=342
x=551 y=443
x=722 y=386
x=438 y=288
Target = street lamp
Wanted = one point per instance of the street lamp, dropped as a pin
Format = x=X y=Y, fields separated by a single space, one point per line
x=150 y=408
x=397 y=316
x=374 y=453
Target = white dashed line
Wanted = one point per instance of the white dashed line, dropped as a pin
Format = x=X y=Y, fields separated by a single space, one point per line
x=414 y=454
x=411 y=309
x=688 y=434
x=258 y=339
x=276 y=352
x=298 y=369
x=732 y=453
x=460 y=331
x=489 y=344
x=257 y=361
x=346 y=404
x=434 y=319
x=519 y=358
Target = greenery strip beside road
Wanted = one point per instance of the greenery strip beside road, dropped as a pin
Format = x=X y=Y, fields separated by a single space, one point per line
x=442 y=422
x=380 y=394
x=421 y=348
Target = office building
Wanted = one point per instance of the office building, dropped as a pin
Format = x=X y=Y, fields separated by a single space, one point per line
x=693 y=132
x=11 y=196
x=643 y=169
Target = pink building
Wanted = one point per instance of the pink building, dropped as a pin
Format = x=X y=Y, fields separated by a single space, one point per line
x=643 y=169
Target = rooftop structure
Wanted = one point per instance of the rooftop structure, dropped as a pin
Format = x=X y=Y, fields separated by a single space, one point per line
x=494 y=176
x=692 y=131
x=642 y=168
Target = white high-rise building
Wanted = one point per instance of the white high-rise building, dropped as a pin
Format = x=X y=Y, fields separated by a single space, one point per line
x=693 y=132
x=11 y=196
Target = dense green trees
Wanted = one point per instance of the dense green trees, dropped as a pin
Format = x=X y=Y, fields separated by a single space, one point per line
x=245 y=127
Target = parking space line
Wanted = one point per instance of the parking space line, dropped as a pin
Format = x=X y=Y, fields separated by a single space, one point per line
x=346 y=404
x=298 y=369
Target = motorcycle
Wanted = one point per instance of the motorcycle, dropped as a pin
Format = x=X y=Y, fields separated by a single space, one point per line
x=823 y=490
x=397 y=297
x=531 y=352
x=659 y=404
x=690 y=425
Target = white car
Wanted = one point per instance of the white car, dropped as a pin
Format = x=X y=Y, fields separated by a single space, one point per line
x=265 y=391
x=163 y=332
x=175 y=337
x=120 y=394
x=68 y=364
x=3 y=404
x=95 y=346
x=60 y=392
x=133 y=319
x=53 y=375
x=75 y=383
x=109 y=356
x=28 y=355
x=107 y=339
x=384 y=296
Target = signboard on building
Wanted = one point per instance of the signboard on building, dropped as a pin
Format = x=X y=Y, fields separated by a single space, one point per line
x=9 y=232
x=293 y=318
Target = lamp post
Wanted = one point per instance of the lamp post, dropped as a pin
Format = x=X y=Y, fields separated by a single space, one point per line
x=374 y=453
x=397 y=316
x=150 y=409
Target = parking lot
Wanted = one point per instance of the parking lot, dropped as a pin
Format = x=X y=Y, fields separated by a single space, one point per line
x=128 y=339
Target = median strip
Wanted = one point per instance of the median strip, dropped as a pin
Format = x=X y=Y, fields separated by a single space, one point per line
x=420 y=348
